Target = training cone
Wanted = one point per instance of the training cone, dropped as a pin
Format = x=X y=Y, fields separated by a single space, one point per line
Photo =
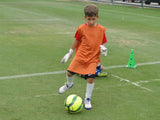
x=131 y=62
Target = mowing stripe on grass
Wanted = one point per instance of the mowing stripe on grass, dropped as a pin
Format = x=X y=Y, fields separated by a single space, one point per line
x=61 y=72
x=48 y=4
x=30 y=20
x=106 y=11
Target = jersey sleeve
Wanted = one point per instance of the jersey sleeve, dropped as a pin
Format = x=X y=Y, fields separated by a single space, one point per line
x=77 y=36
x=104 y=38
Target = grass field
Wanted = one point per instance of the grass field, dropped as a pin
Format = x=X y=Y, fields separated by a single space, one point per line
x=35 y=35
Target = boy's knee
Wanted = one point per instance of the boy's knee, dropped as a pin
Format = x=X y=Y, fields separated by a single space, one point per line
x=69 y=74
x=90 y=80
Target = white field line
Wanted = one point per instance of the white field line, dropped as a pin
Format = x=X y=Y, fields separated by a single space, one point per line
x=28 y=97
x=120 y=85
x=56 y=94
x=44 y=95
x=148 y=63
x=139 y=64
x=30 y=75
x=125 y=84
x=133 y=83
x=61 y=72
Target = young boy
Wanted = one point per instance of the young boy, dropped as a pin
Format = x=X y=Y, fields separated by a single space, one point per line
x=89 y=40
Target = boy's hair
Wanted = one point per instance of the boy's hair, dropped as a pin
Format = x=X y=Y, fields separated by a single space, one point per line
x=91 y=10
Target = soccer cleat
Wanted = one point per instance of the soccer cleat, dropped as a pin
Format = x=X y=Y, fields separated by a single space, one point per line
x=87 y=103
x=64 y=88
x=103 y=74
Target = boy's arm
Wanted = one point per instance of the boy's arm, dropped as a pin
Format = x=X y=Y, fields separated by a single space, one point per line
x=104 y=44
x=74 y=44
x=69 y=54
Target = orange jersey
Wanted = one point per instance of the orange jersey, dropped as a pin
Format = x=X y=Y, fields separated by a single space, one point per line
x=88 y=49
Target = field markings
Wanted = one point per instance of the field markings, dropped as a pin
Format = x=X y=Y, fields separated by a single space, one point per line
x=133 y=83
x=119 y=85
x=44 y=95
x=56 y=94
x=61 y=72
x=31 y=75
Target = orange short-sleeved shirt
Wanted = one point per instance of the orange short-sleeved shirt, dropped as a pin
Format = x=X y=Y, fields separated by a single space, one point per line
x=88 y=49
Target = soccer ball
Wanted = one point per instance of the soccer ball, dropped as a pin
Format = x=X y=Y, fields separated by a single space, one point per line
x=73 y=103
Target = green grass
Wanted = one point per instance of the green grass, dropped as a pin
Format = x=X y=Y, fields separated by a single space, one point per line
x=35 y=35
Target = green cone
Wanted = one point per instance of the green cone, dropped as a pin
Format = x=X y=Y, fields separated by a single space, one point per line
x=131 y=62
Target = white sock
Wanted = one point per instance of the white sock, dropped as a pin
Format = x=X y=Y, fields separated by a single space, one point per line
x=69 y=80
x=89 y=90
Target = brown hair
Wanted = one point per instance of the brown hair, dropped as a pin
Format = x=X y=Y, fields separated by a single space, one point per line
x=91 y=10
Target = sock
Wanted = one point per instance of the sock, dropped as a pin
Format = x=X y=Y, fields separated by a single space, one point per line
x=69 y=80
x=89 y=90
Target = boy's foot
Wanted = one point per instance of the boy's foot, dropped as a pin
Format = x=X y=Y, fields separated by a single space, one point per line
x=87 y=103
x=64 y=88
x=103 y=74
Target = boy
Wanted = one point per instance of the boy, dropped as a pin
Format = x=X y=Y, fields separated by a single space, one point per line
x=89 y=40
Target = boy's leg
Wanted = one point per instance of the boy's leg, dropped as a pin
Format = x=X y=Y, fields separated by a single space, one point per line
x=69 y=83
x=69 y=77
x=89 y=89
x=99 y=72
x=90 y=86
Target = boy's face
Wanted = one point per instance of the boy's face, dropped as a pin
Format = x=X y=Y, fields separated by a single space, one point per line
x=91 y=21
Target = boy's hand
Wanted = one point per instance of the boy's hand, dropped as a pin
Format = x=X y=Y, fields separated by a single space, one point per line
x=67 y=56
x=103 y=50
